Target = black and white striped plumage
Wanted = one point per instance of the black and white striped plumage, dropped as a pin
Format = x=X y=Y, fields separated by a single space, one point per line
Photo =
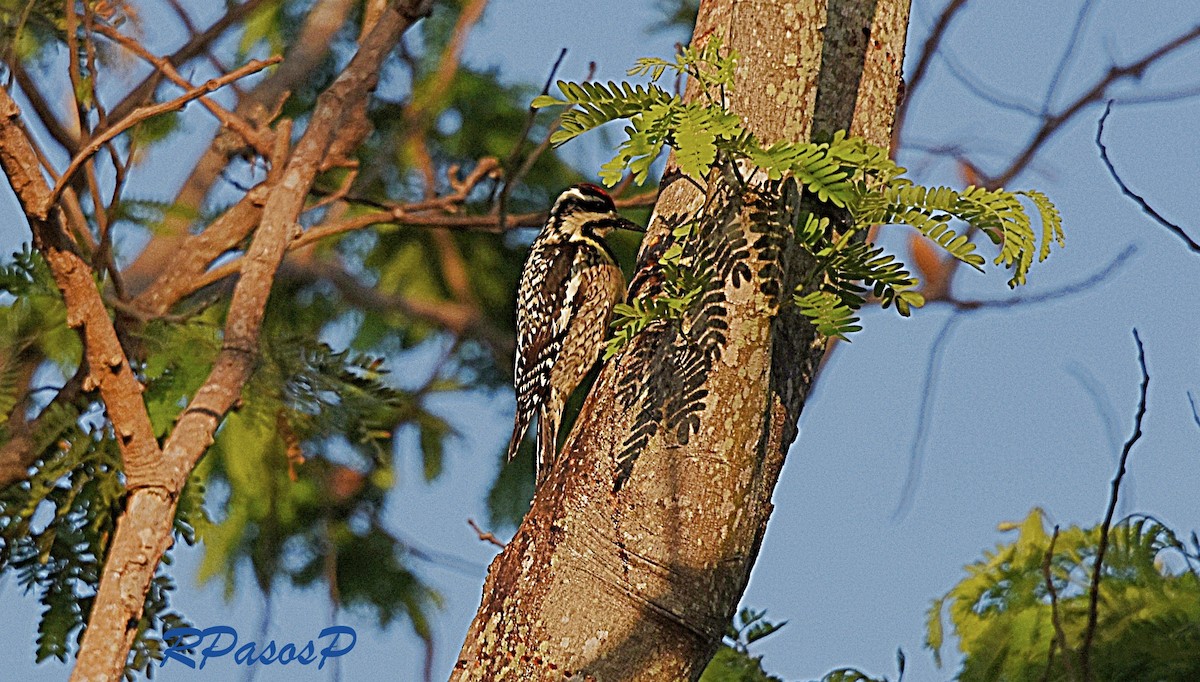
x=569 y=286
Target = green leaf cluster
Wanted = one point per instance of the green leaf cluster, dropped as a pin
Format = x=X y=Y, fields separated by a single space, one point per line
x=844 y=172
x=733 y=661
x=307 y=465
x=1148 y=625
x=681 y=288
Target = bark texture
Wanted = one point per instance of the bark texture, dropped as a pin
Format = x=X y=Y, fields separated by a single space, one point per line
x=639 y=584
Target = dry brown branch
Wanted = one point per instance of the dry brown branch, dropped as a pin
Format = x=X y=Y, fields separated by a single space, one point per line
x=260 y=105
x=425 y=217
x=138 y=115
x=196 y=45
x=484 y=536
x=1060 y=636
x=253 y=137
x=530 y=116
x=1052 y=123
x=419 y=213
x=109 y=370
x=228 y=230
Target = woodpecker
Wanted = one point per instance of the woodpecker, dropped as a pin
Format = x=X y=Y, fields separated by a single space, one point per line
x=569 y=286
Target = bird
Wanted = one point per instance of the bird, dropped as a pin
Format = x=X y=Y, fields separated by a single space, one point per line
x=569 y=286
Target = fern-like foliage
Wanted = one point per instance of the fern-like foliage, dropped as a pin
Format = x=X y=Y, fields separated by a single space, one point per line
x=844 y=172
x=308 y=461
x=1148 y=624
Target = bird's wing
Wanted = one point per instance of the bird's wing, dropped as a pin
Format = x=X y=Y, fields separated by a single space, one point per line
x=543 y=317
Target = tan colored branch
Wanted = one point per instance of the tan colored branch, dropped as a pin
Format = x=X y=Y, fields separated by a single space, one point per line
x=413 y=213
x=196 y=45
x=425 y=217
x=239 y=125
x=138 y=115
x=144 y=530
x=197 y=251
x=260 y=105
x=109 y=369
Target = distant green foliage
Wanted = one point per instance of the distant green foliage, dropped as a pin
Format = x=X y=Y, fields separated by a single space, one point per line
x=28 y=26
x=307 y=463
x=843 y=172
x=54 y=532
x=733 y=661
x=1149 y=608
x=321 y=520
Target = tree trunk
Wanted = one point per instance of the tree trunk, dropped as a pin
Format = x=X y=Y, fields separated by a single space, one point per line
x=639 y=584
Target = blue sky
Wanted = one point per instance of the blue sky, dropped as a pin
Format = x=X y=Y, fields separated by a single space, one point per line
x=1011 y=424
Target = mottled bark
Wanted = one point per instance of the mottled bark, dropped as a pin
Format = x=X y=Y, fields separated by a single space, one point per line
x=639 y=584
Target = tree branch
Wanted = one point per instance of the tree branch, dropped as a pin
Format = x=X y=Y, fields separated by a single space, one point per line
x=143 y=113
x=144 y=529
x=1051 y=124
x=1089 y=632
x=1137 y=198
x=109 y=370
x=195 y=46
x=928 y=49
x=252 y=135
x=1060 y=636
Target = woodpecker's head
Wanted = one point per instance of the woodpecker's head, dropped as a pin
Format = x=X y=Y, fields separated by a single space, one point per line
x=585 y=210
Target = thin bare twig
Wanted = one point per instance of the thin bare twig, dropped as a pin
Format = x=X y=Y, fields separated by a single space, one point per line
x=1085 y=8
x=424 y=218
x=1137 y=198
x=139 y=115
x=1089 y=632
x=484 y=536
x=961 y=308
x=530 y=116
x=196 y=45
x=928 y=50
x=253 y=136
x=1053 y=123
x=1061 y=292
x=1060 y=636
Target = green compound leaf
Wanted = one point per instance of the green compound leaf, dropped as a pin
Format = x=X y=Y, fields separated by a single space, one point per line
x=843 y=172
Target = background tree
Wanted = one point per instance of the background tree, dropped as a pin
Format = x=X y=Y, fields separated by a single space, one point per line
x=301 y=532
x=303 y=463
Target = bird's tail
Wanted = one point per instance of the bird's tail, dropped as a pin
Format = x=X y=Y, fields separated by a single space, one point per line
x=547 y=442
x=520 y=426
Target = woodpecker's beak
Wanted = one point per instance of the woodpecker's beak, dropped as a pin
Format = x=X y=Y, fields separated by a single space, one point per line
x=623 y=223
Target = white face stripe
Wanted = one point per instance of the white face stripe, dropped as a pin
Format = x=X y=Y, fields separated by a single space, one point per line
x=573 y=193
